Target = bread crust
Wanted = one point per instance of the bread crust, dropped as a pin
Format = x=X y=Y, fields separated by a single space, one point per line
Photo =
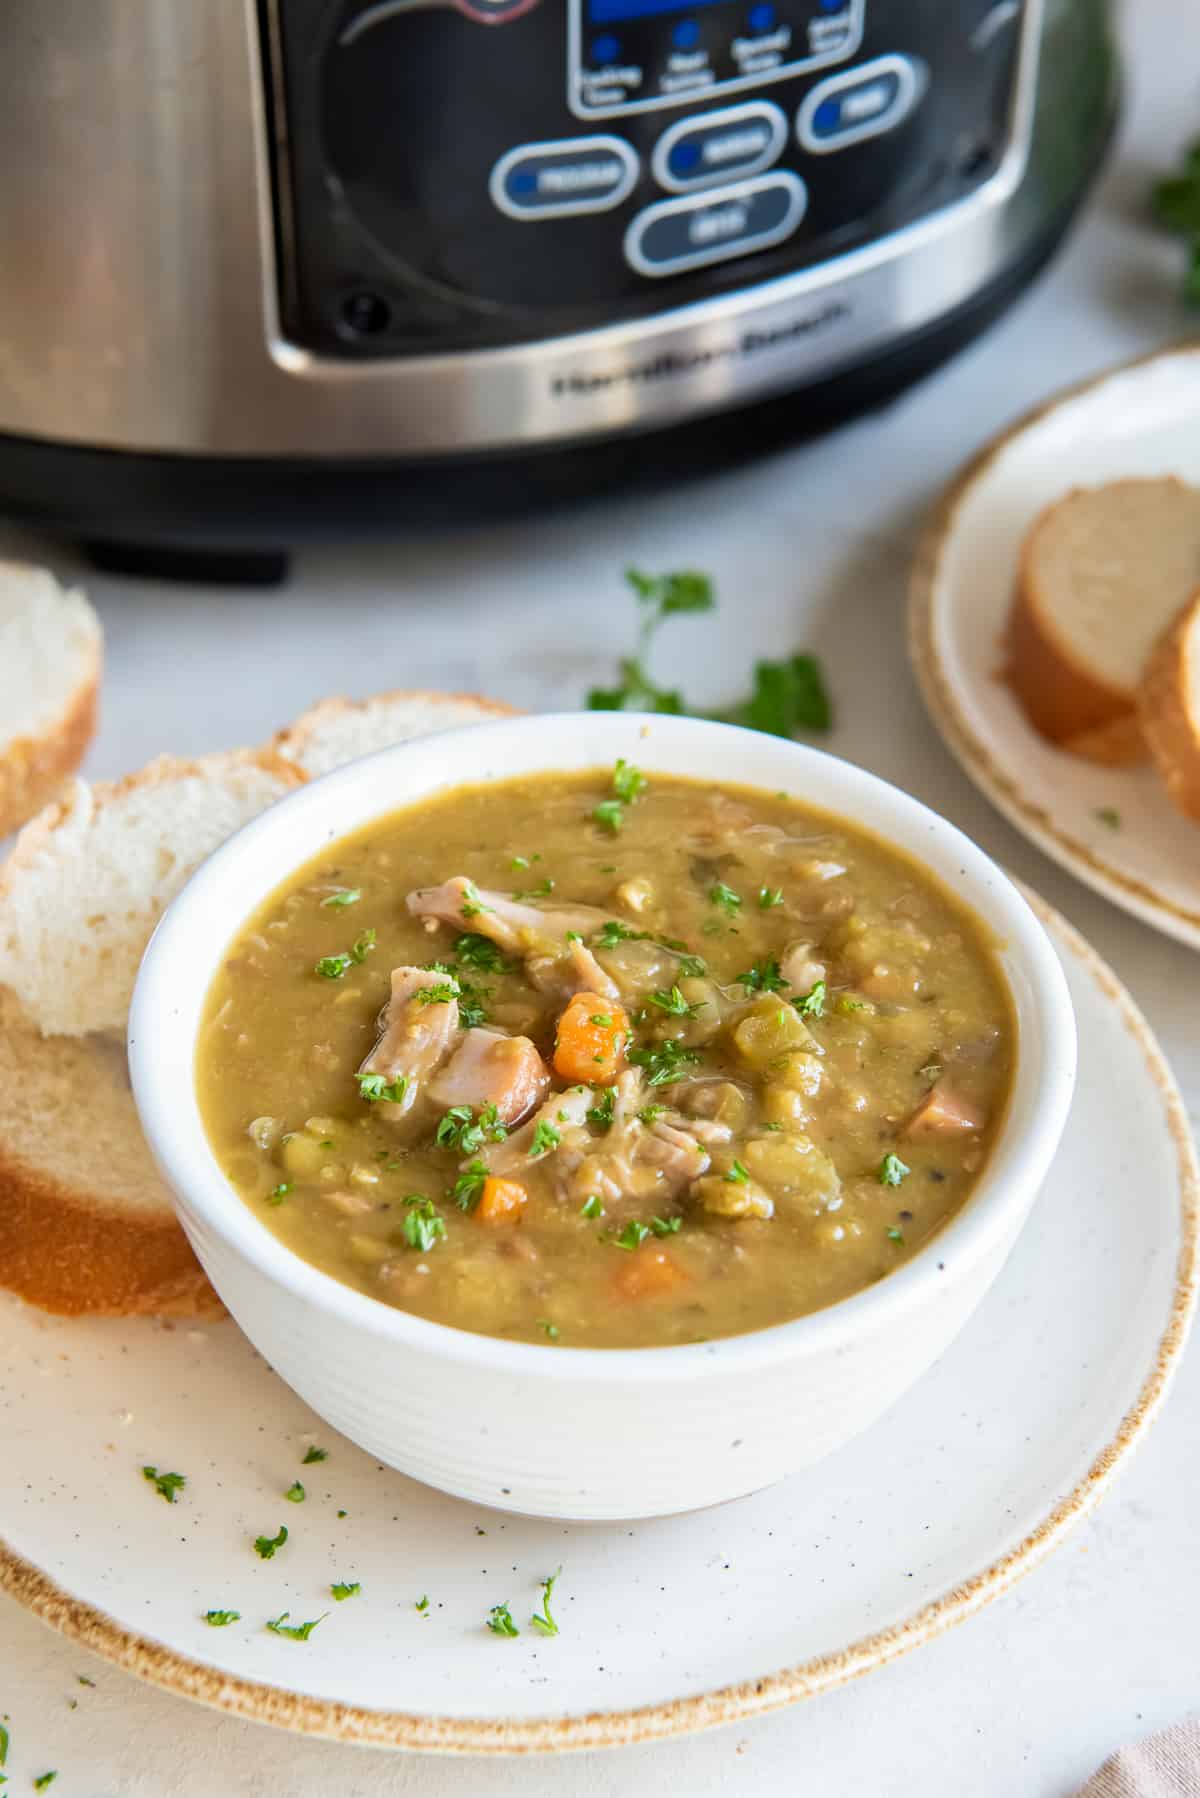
x=292 y=741
x=1066 y=702
x=1170 y=721
x=32 y=769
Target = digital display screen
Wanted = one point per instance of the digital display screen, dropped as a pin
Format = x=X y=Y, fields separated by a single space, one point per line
x=612 y=12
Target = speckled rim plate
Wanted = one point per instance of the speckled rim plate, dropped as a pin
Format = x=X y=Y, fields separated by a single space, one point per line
x=1156 y=1348
x=1141 y=419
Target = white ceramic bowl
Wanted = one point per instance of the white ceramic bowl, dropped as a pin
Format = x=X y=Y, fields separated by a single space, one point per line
x=588 y=1433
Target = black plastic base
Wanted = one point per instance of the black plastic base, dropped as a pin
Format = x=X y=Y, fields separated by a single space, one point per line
x=231 y=519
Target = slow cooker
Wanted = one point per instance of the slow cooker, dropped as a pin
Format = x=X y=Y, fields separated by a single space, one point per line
x=277 y=265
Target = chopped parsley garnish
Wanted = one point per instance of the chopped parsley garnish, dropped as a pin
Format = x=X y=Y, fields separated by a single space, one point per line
x=628 y=782
x=601 y=1019
x=691 y=967
x=812 y=1003
x=545 y=1138
x=218 y=1619
x=297 y=1632
x=295 y=1493
x=1108 y=814
x=5 y=1739
x=543 y=1622
x=650 y=1114
x=423 y=1224
x=666 y=1226
x=614 y=932
x=463 y=1132
x=441 y=994
x=343 y=897
x=601 y=1114
x=374 y=1087
x=847 y=1006
x=342 y=1589
x=422 y=1603
x=658 y=598
x=519 y=862
x=664 y=1062
x=895 y=1234
x=314 y=1454
x=542 y=891
x=769 y=896
x=729 y=901
x=332 y=967
x=265 y=1546
x=44 y=1781
x=469 y=1185
x=674 y=1003
x=892 y=1170
x=472 y=1005
x=763 y=977
x=632 y=1236
x=499 y=1621
x=472 y=904
x=737 y=1175
x=279 y=1193
x=548 y=1329
x=610 y=814
x=592 y=1207
x=479 y=952
x=167 y=1485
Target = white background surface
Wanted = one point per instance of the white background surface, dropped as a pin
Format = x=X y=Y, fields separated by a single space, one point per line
x=808 y=549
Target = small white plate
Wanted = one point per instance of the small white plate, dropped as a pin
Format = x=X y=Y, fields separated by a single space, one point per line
x=666 y=1626
x=1139 y=421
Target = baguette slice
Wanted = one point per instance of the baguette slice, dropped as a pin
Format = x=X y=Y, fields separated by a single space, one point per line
x=1169 y=707
x=340 y=730
x=91 y=875
x=1102 y=572
x=86 y=1222
x=51 y=650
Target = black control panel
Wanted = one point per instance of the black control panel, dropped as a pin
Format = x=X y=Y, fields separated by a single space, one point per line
x=460 y=174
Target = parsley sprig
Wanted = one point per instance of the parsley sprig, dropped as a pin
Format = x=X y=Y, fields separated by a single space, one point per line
x=167 y=1485
x=298 y=1632
x=543 y=1621
x=423 y=1225
x=464 y=1132
x=500 y=1621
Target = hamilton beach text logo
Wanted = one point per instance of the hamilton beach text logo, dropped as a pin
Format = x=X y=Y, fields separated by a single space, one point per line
x=689 y=362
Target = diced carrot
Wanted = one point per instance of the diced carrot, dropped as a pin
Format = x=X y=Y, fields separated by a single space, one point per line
x=501 y=1201
x=592 y=1036
x=648 y=1273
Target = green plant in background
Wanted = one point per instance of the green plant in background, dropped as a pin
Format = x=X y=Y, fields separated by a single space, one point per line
x=1177 y=206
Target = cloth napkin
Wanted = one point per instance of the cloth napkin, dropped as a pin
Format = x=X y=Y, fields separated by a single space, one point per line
x=1163 y=1766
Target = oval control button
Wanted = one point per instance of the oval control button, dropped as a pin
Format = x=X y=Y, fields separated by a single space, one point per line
x=556 y=180
x=721 y=146
x=677 y=235
x=859 y=103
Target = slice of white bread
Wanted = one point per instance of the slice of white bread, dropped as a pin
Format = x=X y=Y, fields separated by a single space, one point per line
x=1169 y=707
x=51 y=650
x=86 y=1224
x=91 y=875
x=341 y=730
x=1102 y=572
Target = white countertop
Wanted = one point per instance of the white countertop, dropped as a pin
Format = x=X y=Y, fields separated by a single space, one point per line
x=808 y=549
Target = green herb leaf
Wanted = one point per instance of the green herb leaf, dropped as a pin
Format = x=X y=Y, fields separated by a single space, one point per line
x=763 y=977
x=610 y=814
x=788 y=696
x=549 y=1329
x=295 y=1493
x=691 y=967
x=422 y=1603
x=499 y=1621
x=314 y=1454
x=374 y=1087
x=847 y=1006
x=664 y=1062
x=332 y=967
x=614 y=932
x=895 y=1234
x=542 y=891
x=279 y=1193
x=472 y=1009
x=632 y=1236
x=1109 y=815
x=674 y=1003
x=297 y=1632
x=592 y=1207
x=479 y=952
x=737 y=1175
x=265 y=1546
x=601 y=1114
x=545 y=1139
x=342 y=1590
x=469 y=1185
x=628 y=782
x=218 y=1619
x=519 y=862
x=343 y=897
x=463 y=1132
x=5 y=1739
x=650 y=1114
x=812 y=1003
x=666 y=1226
x=423 y=1225
x=44 y=1781
x=167 y=1485
x=543 y=1622
x=892 y=1170
x=441 y=994
x=725 y=897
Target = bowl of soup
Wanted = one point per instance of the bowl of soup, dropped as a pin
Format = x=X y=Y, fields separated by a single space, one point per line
x=601 y=1116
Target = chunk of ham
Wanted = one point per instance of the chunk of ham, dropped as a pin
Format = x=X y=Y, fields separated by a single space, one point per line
x=801 y=967
x=944 y=1112
x=415 y=1035
x=633 y=1159
x=515 y=927
x=488 y=1068
x=574 y=971
x=565 y=1114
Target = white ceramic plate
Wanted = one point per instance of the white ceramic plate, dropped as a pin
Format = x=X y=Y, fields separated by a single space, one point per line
x=973 y=1477
x=1142 y=420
